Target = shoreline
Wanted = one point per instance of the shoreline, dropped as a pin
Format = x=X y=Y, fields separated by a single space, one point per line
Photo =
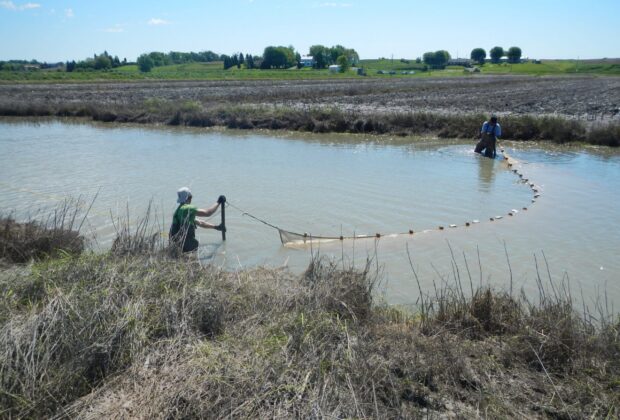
x=557 y=109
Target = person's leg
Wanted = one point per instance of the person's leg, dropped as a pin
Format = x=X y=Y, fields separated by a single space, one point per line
x=479 y=147
x=190 y=245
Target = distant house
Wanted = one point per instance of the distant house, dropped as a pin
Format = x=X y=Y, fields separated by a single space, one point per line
x=465 y=62
x=307 y=61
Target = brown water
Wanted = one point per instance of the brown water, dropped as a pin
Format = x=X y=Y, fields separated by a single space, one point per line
x=339 y=185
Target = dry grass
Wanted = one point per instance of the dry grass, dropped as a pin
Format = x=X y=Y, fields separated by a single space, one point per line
x=58 y=233
x=140 y=334
x=326 y=119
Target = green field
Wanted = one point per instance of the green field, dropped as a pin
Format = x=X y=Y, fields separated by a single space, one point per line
x=398 y=68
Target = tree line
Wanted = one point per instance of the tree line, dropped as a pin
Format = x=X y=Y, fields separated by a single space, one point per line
x=281 y=57
x=147 y=61
x=513 y=54
x=274 y=57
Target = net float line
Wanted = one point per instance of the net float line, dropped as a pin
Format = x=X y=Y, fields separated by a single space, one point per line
x=290 y=238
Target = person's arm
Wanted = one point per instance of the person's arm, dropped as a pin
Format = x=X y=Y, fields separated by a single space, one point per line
x=205 y=225
x=207 y=212
x=498 y=130
x=483 y=129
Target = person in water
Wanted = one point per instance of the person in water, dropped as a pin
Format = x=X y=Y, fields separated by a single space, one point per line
x=489 y=134
x=184 y=221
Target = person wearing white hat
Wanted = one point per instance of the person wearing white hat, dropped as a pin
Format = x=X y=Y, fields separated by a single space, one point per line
x=184 y=221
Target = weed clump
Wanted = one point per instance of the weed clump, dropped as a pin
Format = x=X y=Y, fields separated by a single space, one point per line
x=21 y=242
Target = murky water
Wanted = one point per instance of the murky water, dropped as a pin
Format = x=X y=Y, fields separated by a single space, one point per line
x=339 y=185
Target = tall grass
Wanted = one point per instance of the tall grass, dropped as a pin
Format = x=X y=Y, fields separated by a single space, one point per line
x=58 y=233
x=140 y=334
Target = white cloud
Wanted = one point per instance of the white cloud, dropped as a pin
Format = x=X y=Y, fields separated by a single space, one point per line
x=116 y=29
x=18 y=7
x=69 y=13
x=335 y=5
x=157 y=22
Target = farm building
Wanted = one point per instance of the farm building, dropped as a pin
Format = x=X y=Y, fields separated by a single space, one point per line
x=307 y=61
x=334 y=68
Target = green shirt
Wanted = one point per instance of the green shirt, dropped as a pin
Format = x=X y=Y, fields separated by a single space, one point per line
x=185 y=214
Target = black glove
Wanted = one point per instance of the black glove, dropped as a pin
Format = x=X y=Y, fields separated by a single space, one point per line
x=220 y=228
x=221 y=199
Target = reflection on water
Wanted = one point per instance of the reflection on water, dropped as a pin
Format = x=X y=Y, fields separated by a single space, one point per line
x=336 y=185
x=486 y=170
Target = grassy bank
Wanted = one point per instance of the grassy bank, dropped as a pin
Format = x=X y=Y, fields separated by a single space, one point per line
x=326 y=120
x=136 y=333
x=402 y=68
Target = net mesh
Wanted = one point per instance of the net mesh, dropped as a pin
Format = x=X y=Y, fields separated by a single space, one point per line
x=293 y=238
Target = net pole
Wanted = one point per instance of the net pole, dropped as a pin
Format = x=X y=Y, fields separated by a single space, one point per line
x=223 y=220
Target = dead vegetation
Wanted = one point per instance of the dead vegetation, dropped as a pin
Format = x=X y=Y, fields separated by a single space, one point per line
x=57 y=234
x=140 y=334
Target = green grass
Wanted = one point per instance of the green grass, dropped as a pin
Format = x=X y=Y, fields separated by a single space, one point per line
x=215 y=71
x=190 y=71
x=546 y=67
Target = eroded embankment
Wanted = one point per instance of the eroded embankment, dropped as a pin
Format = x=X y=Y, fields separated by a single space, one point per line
x=562 y=109
x=136 y=333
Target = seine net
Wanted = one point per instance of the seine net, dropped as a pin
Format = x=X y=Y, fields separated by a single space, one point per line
x=292 y=238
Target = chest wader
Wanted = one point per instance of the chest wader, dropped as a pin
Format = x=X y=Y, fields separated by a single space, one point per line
x=183 y=236
x=487 y=143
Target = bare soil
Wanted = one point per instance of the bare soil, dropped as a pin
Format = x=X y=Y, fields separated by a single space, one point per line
x=585 y=98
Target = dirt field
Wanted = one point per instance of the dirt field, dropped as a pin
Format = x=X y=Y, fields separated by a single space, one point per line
x=585 y=98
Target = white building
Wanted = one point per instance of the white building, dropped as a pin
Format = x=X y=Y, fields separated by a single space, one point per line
x=307 y=61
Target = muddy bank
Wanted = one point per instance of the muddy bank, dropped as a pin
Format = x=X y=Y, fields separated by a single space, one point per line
x=449 y=107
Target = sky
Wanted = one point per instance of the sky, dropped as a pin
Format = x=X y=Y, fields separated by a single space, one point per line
x=59 y=30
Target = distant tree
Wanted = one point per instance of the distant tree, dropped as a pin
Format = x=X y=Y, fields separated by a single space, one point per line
x=437 y=59
x=418 y=60
x=514 y=54
x=145 y=63
x=227 y=61
x=335 y=52
x=343 y=62
x=478 y=55
x=208 y=56
x=278 y=57
x=241 y=60
x=70 y=66
x=234 y=60
x=320 y=54
x=160 y=59
x=298 y=60
x=496 y=54
x=249 y=61
x=352 y=56
x=103 y=62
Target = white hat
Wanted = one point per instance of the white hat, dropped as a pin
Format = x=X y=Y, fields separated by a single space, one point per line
x=183 y=195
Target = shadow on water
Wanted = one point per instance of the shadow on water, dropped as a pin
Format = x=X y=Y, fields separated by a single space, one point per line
x=208 y=252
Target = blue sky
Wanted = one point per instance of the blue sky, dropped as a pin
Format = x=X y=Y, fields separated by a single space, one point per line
x=58 y=30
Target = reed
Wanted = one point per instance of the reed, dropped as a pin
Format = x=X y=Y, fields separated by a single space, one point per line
x=56 y=233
